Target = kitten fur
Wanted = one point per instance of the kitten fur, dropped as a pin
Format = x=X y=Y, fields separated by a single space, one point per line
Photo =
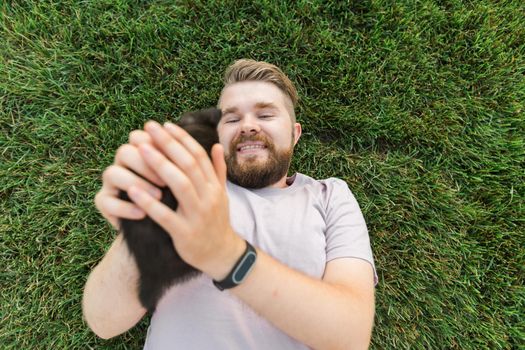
x=158 y=262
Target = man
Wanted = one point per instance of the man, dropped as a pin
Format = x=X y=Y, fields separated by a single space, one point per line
x=311 y=283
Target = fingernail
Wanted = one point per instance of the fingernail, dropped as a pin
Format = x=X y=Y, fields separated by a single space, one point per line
x=169 y=126
x=152 y=126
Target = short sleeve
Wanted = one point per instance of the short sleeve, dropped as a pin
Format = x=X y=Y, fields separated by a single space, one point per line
x=346 y=231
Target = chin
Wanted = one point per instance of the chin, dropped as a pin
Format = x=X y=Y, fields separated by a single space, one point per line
x=252 y=163
x=252 y=156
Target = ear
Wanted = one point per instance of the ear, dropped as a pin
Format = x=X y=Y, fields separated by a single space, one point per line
x=297 y=132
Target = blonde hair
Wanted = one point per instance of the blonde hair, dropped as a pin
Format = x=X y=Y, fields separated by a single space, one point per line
x=251 y=70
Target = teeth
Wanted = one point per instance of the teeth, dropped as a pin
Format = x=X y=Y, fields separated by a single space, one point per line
x=243 y=148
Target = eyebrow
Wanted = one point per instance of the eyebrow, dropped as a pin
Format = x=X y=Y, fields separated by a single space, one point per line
x=258 y=105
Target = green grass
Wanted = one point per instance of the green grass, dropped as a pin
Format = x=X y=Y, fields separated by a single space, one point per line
x=418 y=105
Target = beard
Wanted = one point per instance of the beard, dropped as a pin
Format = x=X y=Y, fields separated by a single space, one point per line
x=254 y=173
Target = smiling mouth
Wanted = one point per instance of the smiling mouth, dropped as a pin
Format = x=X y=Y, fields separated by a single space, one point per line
x=250 y=148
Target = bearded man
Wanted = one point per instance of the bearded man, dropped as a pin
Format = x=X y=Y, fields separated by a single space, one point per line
x=286 y=260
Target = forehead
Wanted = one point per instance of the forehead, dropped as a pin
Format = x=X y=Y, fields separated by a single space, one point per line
x=248 y=95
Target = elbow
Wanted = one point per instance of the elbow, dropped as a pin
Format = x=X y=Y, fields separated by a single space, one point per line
x=101 y=333
x=106 y=319
x=105 y=336
x=95 y=327
x=352 y=344
x=97 y=323
x=360 y=336
x=358 y=339
x=362 y=340
x=98 y=328
x=355 y=343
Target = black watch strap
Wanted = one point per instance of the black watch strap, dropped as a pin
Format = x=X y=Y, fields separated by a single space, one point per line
x=240 y=270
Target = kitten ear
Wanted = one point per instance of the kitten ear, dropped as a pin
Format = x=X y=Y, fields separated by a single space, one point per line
x=187 y=119
x=210 y=116
x=214 y=116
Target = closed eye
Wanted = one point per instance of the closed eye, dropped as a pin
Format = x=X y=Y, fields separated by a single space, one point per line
x=265 y=116
x=232 y=121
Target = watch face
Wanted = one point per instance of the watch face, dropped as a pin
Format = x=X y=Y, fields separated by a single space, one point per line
x=244 y=267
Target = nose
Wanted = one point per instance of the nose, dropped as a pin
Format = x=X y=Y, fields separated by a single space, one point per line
x=249 y=126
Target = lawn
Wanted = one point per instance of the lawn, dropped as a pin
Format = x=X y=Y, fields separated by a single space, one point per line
x=418 y=105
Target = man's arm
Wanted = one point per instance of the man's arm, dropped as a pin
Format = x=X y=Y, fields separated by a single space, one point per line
x=335 y=313
x=110 y=304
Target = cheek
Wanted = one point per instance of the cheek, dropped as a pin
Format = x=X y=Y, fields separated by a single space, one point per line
x=282 y=134
x=225 y=138
x=281 y=140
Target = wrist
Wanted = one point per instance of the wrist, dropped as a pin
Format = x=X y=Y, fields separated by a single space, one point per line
x=240 y=270
x=227 y=258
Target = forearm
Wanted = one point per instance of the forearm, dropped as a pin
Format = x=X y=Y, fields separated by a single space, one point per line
x=318 y=314
x=110 y=304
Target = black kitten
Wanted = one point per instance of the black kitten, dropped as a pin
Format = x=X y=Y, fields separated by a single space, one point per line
x=159 y=264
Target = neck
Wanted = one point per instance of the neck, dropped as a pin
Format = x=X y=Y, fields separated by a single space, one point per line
x=281 y=183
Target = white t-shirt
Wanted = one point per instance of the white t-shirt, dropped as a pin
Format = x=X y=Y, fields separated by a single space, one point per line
x=304 y=226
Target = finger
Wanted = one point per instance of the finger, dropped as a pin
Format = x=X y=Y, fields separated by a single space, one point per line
x=194 y=148
x=179 y=184
x=217 y=155
x=136 y=137
x=178 y=154
x=99 y=204
x=128 y=156
x=169 y=220
x=116 y=177
x=113 y=208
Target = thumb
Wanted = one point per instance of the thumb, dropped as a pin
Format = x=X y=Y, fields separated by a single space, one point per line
x=217 y=156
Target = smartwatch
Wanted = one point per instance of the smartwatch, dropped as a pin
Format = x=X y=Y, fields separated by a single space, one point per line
x=240 y=270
